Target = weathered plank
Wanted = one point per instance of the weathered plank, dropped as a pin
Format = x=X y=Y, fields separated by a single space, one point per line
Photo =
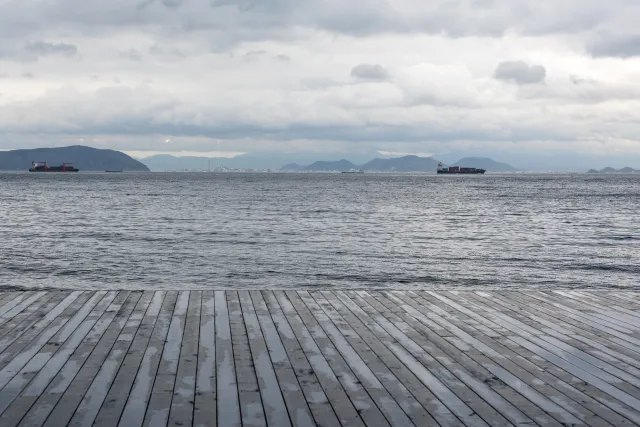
x=73 y=395
x=204 y=413
x=251 y=406
x=182 y=405
x=316 y=377
x=228 y=410
x=136 y=405
x=329 y=358
x=165 y=379
x=137 y=331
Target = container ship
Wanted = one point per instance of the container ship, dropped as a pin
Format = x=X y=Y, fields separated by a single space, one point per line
x=43 y=167
x=459 y=170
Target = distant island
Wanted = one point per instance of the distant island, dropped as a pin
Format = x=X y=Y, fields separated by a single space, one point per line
x=84 y=158
x=246 y=162
x=409 y=163
x=612 y=170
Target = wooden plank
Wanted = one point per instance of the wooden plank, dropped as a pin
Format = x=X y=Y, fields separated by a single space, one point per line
x=136 y=406
x=559 y=345
x=228 y=410
x=162 y=392
x=47 y=338
x=120 y=389
x=337 y=366
x=454 y=384
x=47 y=363
x=15 y=302
x=23 y=305
x=204 y=413
x=6 y=297
x=53 y=318
x=94 y=399
x=574 y=388
x=604 y=308
x=466 y=365
x=330 y=358
x=314 y=373
x=561 y=381
x=271 y=393
x=23 y=322
x=302 y=391
x=500 y=366
x=349 y=364
x=39 y=400
x=397 y=378
x=101 y=345
x=182 y=405
x=251 y=406
x=554 y=319
x=611 y=328
x=597 y=310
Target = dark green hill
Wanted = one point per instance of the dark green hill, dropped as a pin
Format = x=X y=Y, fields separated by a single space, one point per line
x=83 y=158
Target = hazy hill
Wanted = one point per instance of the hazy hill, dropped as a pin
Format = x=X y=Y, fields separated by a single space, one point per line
x=84 y=158
x=489 y=165
x=291 y=167
x=246 y=161
x=339 y=165
x=612 y=170
x=403 y=164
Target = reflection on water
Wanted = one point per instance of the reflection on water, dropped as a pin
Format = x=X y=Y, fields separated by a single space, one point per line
x=178 y=230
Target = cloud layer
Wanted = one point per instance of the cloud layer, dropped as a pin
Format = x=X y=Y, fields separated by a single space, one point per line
x=249 y=75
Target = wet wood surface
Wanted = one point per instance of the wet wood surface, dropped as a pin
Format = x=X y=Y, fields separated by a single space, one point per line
x=319 y=358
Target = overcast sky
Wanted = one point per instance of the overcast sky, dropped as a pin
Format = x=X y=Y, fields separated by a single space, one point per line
x=399 y=76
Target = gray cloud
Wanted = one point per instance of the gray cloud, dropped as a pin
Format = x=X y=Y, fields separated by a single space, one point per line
x=615 y=46
x=172 y=3
x=132 y=55
x=520 y=72
x=42 y=48
x=283 y=58
x=174 y=53
x=254 y=54
x=244 y=19
x=28 y=75
x=440 y=88
x=370 y=72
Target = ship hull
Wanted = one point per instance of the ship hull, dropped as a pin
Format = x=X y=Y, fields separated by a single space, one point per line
x=476 y=172
x=53 y=170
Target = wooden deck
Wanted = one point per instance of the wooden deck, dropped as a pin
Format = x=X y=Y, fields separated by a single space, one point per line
x=325 y=358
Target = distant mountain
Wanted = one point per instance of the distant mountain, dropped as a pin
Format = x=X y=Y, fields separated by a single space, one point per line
x=84 y=158
x=326 y=166
x=291 y=167
x=612 y=170
x=489 y=165
x=402 y=164
x=245 y=161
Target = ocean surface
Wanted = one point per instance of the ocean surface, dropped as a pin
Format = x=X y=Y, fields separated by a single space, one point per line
x=239 y=230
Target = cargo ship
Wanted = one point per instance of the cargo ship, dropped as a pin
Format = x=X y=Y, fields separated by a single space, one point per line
x=459 y=170
x=353 y=171
x=43 y=167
